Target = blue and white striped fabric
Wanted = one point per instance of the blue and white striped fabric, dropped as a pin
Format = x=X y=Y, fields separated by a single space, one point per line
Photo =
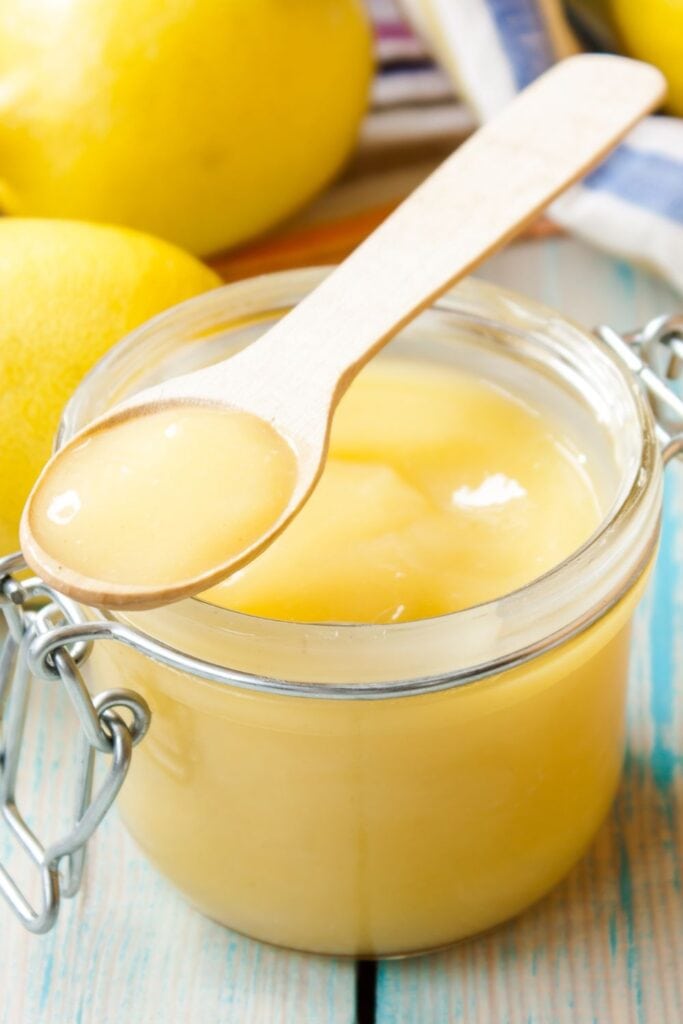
x=632 y=204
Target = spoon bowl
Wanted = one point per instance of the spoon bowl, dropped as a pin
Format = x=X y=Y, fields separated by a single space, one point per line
x=105 y=442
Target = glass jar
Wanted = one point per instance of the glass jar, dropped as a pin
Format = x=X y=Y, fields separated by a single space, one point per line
x=377 y=790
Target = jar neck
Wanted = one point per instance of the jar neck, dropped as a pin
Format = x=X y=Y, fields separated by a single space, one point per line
x=493 y=332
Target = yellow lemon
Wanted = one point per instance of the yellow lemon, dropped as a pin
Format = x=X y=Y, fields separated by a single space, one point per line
x=202 y=121
x=69 y=291
x=651 y=30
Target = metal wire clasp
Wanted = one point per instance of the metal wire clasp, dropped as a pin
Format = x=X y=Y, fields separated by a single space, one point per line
x=31 y=611
x=654 y=353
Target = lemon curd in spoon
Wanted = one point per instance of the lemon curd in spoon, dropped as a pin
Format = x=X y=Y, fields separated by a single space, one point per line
x=163 y=496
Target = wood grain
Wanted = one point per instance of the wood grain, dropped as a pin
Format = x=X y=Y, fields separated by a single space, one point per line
x=606 y=947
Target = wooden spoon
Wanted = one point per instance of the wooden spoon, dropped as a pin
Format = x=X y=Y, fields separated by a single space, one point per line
x=294 y=376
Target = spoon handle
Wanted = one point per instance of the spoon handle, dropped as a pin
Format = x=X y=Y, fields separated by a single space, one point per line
x=490 y=188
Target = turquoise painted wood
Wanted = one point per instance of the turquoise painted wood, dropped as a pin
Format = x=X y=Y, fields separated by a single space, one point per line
x=607 y=946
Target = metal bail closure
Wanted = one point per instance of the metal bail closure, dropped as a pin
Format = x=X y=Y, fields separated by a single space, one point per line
x=654 y=353
x=33 y=611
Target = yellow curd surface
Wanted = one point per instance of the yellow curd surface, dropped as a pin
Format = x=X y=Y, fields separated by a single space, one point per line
x=440 y=492
x=160 y=498
x=399 y=825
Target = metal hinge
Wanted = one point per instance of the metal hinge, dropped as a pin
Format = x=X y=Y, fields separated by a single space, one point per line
x=654 y=353
x=31 y=611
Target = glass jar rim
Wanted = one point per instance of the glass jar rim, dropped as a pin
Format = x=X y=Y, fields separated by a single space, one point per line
x=630 y=525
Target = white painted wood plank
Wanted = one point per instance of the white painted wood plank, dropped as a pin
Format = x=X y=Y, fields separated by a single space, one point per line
x=605 y=947
x=582 y=283
x=128 y=949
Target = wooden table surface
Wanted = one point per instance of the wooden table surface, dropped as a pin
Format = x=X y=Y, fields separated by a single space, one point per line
x=604 y=948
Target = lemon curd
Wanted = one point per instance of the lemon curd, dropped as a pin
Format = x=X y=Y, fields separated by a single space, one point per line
x=440 y=491
x=164 y=496
x=403 y=765
x=435 y=816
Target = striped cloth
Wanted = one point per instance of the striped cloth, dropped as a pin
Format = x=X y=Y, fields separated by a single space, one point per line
x=444 y=66
x=632 y=204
